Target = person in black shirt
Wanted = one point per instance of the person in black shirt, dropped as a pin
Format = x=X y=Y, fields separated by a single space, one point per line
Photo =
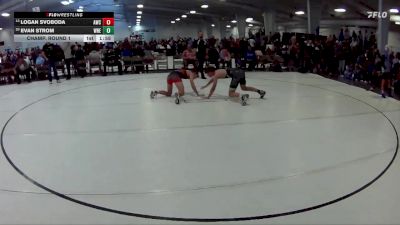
x=22 y=68
x=201 y=46
x=49 y=52
x=138 y=54
x=111 y=58
x=80 y=62
x=213 y=56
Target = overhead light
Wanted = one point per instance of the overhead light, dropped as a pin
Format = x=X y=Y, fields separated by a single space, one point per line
x=172 y=21
x=248 y=20
x=140 y=6
x=97 y=4
x=340 y=10
x=81 y=7
x=250 y=25
x=393 y=10
x=117 y=5
x=129 y=26
x=234 y=21
x=228 y=26
x=395 y=18
x=193 y=12
x=139 y=12
x=137 y=20
x=397 y=23
x=1 y=28
x=70 y=1
x=184 y=16
x=5 y=14
x=65 y=2
x=299 y=12
x=138 y=17
x=204 y=6
x=177 y=19
x=79 y=10
x=213 y=25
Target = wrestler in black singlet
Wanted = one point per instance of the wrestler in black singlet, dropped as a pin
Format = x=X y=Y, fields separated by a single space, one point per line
x=238 y=77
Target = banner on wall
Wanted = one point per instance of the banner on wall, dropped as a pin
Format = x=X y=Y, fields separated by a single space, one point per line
x=136 y=37
x=146 y=30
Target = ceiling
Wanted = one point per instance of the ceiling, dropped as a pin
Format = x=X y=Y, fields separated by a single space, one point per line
x=224 y=10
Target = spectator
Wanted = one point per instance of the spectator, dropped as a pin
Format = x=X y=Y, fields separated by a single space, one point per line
x=51 y=58
x=293 y=53
x=127 y=53
x=348 y=73
x=8 y=70
x=252 y=42
x=366 y=40
x=341 y=57
x=213 y=57
x=201 y=46
x=22 y=68
x=40 y=59
x=225 y=57
x=189 y=57
x=386 y=78
x=69 y=60
x=59 y=57
x=358 y=75
x=138 y=54
x=341 y=35
x=94 y=59
x=360 y=40
x=111 y=58
x=79 y=57
x=251 y=59
x=346 y=34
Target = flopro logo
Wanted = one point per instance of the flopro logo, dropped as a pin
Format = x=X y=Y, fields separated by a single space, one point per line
x=376 y=14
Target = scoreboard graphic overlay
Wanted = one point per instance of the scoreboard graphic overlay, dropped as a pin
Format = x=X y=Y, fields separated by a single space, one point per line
x=63 y=26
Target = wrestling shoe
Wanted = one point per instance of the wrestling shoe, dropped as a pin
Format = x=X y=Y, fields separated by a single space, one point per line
x=262 y=93
x=243 y=99
x=177 y=99
x=153 y=94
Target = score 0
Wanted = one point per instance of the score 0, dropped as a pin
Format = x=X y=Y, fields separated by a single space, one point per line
x=108 y=21
x=108 y=26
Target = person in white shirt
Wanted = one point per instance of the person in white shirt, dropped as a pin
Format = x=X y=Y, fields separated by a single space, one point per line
x=94 y=59
x=67 y=48
x=252 y=42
